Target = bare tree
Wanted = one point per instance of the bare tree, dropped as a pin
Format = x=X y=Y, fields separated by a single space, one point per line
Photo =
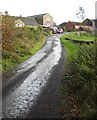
x=81 y=13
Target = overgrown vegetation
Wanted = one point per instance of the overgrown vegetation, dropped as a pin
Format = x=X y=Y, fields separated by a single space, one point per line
x=19 y=43
x=79 y=84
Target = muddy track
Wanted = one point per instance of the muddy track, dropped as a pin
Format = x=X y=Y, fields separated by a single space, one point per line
x=32 y=90
x=47 y=105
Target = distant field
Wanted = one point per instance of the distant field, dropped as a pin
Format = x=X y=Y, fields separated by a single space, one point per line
x=81 y=36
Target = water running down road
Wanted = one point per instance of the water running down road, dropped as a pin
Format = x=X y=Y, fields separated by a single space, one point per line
x=29 y=79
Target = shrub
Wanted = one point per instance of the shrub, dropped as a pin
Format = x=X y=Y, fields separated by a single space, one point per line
x=80 y=82
x=8 y=32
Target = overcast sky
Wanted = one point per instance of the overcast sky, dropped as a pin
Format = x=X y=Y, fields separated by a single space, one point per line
x=61 y=10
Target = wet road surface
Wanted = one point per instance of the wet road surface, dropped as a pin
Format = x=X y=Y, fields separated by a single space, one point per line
x=31 y=88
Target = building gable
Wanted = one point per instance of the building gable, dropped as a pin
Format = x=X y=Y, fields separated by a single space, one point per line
x=87 y=22
x=47 y=20
x=19 y=23
x=70 y=26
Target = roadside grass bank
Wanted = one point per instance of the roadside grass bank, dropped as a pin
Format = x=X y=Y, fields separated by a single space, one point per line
x=79 y=85
x=71 y=49
x=81 y=36
x=13 y=58
x=19 y=43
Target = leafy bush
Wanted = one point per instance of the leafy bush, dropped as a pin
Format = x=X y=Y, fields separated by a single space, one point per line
x=8 y=32
x=80 y=82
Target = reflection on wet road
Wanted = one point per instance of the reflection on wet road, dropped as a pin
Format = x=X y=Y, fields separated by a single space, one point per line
x=18 y=102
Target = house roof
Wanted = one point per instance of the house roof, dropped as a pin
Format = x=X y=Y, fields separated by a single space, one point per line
x=28 y=20
x=91 y=20
x=62 y=24
x=39 y=18
x=94 y=21
x=32 y=20
x=40 y=15
x=75 y=23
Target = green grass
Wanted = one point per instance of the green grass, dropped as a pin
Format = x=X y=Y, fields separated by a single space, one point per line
x=81 y=36
x=14 y=58
x=36 y=47
x=71 y=48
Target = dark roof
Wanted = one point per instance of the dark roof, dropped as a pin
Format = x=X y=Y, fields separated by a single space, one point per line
x=39 y=18
x=32 y=20
x=91 y=20
x=40 y=15
x=28 y=20
x=75 y=23
x=62 y=24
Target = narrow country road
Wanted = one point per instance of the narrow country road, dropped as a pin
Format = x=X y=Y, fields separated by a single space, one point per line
x=31 y=89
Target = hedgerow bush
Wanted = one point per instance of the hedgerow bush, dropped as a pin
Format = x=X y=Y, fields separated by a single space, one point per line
x=80 y=84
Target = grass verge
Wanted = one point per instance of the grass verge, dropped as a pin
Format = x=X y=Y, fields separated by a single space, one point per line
x=81 y=36
x=71 y=49
x=14 y=58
